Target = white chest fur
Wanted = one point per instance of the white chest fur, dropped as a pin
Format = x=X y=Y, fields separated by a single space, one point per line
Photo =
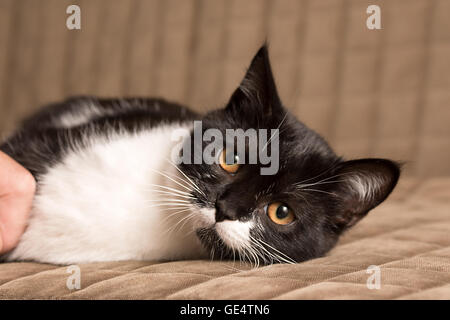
x=98 y=204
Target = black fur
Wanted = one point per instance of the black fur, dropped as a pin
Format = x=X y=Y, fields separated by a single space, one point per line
x=323 y=210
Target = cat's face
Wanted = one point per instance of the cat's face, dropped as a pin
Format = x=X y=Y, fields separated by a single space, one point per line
x=295 y=214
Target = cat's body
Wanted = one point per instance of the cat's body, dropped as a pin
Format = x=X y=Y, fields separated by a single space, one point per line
x=108 y=189
x=95 y=199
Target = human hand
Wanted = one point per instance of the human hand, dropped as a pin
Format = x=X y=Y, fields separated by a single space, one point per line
x=17 y=188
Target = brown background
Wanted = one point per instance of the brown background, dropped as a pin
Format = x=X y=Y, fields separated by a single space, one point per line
x=382 y=93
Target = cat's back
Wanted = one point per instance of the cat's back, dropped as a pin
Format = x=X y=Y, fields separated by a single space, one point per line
x=47 y=136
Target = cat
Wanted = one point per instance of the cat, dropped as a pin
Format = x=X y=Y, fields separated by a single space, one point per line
x=108 y=190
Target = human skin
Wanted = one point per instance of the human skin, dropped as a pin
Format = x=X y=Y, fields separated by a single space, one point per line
x=17 y=188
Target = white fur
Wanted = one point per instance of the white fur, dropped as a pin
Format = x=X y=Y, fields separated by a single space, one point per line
x=82 y=115
x=205 y=218
x=234 y=233
x=99 y=204
x=365 y=186
x=95 y=205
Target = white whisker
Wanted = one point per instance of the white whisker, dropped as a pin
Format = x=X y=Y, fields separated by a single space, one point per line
x=321 y=191
x=187 y=218
x=169 y=201
x=189 y=179
x=172 y=179
x=172 y=194
x=175 y=213
x=171 y=189
x=168 y=204
x=287 y=259
x=281 y=122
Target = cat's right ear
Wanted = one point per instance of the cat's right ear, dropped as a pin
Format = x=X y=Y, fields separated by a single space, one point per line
x=257 y=93
x=361 y=186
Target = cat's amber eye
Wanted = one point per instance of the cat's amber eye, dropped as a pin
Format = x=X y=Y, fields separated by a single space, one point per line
x=280 y=213
x=228 y=167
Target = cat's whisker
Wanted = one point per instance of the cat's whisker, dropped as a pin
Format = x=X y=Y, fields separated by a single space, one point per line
x=169 y=204
x=320 y=174
x=173 y=228
x=281 y=122
x=171 y=189
x=189 y=179
x=171 y=194
x=172 y=208
x=250 y=255
x=306 y=187
x=265 y=251
x=182 y=179
x=302 y=183
x=255 y=254
x=168 y=200
x=187 y=219
x=286 y=258
x=300 y=186
x=332 y=177
x=175 y=213
x=320 y=191
x=242 y=256
x=269 y=254
x=171 y=179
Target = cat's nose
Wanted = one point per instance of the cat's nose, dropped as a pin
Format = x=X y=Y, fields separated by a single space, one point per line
x=224 y=212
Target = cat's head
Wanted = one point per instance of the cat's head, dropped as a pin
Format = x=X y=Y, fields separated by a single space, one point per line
x=295 y=214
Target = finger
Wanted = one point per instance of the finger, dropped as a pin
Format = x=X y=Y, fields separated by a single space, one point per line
x=17 y=187
x=14 y=210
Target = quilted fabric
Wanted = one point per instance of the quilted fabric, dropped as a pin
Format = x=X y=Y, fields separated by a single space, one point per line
x=408 y=238
x=379 y=93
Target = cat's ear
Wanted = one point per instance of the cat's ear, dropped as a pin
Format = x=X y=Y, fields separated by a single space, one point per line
x=257 y=91
x=362 y=185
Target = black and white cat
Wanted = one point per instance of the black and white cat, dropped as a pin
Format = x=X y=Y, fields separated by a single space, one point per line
x=107 y=189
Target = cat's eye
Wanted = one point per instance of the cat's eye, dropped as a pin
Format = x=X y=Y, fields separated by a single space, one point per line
x=228 y=167
x=279 y=213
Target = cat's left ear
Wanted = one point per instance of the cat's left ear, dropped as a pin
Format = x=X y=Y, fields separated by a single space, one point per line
x=361 y=186
x=257 y=92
